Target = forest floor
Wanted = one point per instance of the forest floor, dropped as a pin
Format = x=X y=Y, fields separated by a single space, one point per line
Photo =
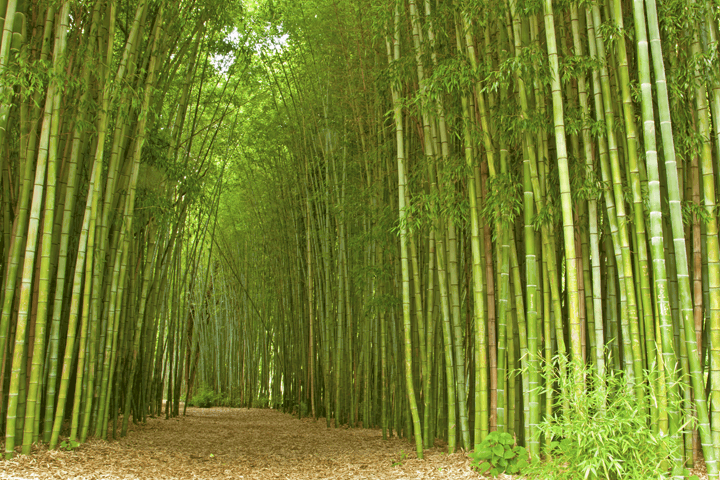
x=240 y=444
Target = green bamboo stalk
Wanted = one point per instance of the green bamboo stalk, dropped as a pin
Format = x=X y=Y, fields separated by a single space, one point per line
x=19 y=229
x=538 y=180
x=670 y=424
x=483 y=411
x=457 y=324
x=429 y=388
x=44 y=277
x=610 y=169
x=447 y=336
x=111 y=346
x=520 y=335
x=503 y=314
x=418 y=44
x=68 y=207
x=479 y=322
x=531 y=275
x=419 y=320
x=588 y=152
x=85 y=318
x=713 y=245
x=328 y=299
x=74 y=308
x=707 y=434
x=339 y=345
x=5 y=44
x=311 y=295
x=634 y=179
x=402 y=185
x=565 y=197
x=458 y=363
x=383 y=366
x=19 y=358
x=137 y=152
x=52 y=103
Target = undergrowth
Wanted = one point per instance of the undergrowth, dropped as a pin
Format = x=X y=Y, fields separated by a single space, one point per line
x=206 y=397
x=498 y=454
x=601 y=431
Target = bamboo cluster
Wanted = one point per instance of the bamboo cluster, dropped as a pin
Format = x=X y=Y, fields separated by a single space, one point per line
x=457 y=193
x=110 y=117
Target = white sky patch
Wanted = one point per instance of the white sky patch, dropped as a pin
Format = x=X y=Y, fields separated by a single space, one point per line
x=272 y=43
x=222 y=63
x=278 y=43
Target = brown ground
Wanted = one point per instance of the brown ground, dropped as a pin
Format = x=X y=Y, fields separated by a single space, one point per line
x=241 y=444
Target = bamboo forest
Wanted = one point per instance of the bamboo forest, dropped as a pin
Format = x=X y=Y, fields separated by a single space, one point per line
x=438 y=219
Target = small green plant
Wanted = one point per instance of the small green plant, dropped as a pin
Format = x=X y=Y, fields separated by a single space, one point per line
x=69 y=445
x=600 y=431
x=204 y=398
x=399 y=462
x=498 y=454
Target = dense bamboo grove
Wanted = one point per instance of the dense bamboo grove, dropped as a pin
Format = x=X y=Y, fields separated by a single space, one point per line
x=112 y=119
x=401 y=215
x=441 y=199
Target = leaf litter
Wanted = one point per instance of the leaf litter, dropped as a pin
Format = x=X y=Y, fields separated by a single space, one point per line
x=239 y=443
x=242 y=444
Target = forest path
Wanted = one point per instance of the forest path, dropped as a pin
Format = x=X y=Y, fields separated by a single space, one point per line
x=241 y=444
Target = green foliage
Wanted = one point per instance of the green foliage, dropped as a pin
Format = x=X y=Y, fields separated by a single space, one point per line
x=225 y=400
x=69 y=445
x=504 y=200
x=574 y=66
x=531 y=63
x=529 y=7
x=204 y=398
x=610 y=33
x=585 y=184
x=452 y=75
x=691 y=209
x=400 y=460
x=498 y=454
x=262 y=401
x=600 y=432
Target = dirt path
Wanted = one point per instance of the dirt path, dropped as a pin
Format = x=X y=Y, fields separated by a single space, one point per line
x=240 y=443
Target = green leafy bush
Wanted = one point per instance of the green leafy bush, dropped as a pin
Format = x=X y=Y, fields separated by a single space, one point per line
x=498 y=454
x=69 y=445
x=204 y=398
x=601 y=432
x=262 y=401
